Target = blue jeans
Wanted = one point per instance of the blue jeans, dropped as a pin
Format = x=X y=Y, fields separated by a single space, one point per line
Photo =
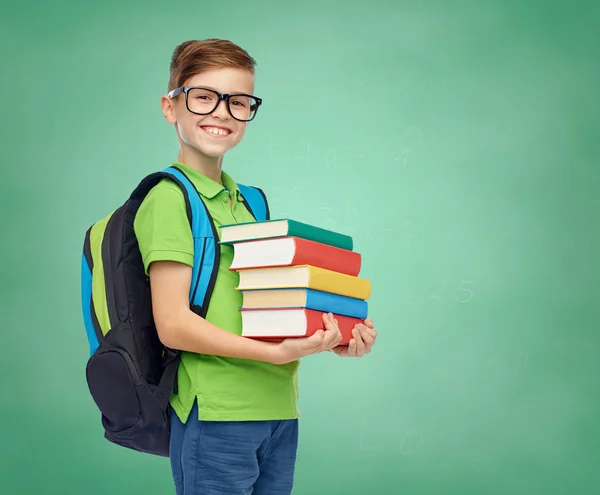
x=233 y=457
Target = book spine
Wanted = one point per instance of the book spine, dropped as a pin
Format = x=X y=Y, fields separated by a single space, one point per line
x=314 y=322
x=338 y=283
x=334 y=303
x=313 y=233
x=325 y=256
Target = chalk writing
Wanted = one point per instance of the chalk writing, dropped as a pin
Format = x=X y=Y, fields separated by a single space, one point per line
x=408 y=442
x=411 y=443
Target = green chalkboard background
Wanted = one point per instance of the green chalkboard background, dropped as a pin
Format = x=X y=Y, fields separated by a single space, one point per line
x=457 y=141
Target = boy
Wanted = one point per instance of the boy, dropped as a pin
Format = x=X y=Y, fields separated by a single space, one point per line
x=234 y=416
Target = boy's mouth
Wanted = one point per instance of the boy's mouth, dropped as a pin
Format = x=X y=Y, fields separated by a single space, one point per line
x=216 y=131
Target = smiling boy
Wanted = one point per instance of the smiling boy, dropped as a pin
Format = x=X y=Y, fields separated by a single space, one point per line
x=234 y=415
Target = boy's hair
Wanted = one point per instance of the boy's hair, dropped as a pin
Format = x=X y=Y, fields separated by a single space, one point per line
x=195 y=56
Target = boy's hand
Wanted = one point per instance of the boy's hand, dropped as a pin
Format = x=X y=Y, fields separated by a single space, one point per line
x=364 y=339
x=295 y=348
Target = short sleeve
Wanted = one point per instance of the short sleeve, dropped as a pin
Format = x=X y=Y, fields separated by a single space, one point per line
x=162 y=227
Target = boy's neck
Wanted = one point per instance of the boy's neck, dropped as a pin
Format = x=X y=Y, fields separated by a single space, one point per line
x=209 y=166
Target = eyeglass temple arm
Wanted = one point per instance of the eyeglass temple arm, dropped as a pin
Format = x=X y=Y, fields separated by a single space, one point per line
x=175 y=92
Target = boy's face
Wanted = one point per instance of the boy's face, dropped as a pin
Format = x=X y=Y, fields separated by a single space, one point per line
x=199 y=132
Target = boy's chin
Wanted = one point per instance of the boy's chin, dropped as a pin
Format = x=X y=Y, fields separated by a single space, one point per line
x=213 y=151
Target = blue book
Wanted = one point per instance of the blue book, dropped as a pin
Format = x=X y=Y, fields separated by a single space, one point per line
x=304 y=298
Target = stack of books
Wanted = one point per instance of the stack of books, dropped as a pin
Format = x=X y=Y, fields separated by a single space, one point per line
x=290 y=273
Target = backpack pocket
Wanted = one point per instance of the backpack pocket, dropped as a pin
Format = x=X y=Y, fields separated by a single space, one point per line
x=135 y=411
x=114 y=383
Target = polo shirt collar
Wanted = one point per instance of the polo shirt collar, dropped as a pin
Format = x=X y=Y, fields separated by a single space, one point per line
x=205 y=185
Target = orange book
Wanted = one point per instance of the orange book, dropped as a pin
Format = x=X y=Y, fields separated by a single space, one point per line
x=276 y=324
x=287 y=251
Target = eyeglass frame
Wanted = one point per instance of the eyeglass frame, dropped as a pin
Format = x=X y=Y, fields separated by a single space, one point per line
x=220 y=96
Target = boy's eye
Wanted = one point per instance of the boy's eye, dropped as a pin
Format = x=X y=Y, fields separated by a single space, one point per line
x=201 y=95
x=238 y=102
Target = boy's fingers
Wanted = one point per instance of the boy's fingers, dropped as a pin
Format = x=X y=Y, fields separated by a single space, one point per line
x=331 y=321
x=331 y=339
x=332 y=335
x=360 y=345
x=332 y=328
x=339 y=351
x=370 y=331
x=367 y=336
x=352 y=348
x=314 y=341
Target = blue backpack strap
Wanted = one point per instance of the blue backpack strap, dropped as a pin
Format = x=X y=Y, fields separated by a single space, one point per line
x=256 y=201
x=206 y=252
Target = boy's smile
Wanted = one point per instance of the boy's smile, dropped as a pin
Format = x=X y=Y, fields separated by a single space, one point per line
x=216 y=131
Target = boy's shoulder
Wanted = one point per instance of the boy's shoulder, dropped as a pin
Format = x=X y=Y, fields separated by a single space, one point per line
x=165 y=192
x=165 y=199
x=165 y=184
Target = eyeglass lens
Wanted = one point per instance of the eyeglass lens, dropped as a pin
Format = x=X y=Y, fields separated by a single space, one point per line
x=205 y=101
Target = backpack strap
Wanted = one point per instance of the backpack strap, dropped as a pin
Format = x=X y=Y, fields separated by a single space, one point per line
x=256 y=201
x=206 y=248
x=204 y=233
x=206 y=255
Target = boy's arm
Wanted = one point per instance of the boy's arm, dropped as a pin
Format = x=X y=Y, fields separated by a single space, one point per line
x=180 y=328
x=166 y=245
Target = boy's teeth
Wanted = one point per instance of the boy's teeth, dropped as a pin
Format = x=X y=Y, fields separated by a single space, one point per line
x=214 y=130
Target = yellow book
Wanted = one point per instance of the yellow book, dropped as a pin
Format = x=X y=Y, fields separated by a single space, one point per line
x=305 y=276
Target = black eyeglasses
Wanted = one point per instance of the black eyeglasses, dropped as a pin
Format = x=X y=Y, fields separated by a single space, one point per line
x=203 y=101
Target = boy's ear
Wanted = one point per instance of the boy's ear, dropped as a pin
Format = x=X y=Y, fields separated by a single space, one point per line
x=167 y=109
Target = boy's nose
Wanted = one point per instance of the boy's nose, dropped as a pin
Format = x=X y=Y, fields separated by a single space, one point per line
x=221 y=111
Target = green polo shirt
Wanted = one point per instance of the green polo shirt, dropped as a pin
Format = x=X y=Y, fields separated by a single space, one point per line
x=227 y=389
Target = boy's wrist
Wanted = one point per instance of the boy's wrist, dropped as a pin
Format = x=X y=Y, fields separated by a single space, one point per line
x=258 y=350
x=268 y=352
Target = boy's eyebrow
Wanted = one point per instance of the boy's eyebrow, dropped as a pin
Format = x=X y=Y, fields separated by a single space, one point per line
x=215 y=89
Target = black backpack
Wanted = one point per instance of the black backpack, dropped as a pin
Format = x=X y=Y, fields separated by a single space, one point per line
x=130 y=373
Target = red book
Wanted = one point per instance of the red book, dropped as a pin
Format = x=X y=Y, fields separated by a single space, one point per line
x=279 y=323
x=288 y=251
